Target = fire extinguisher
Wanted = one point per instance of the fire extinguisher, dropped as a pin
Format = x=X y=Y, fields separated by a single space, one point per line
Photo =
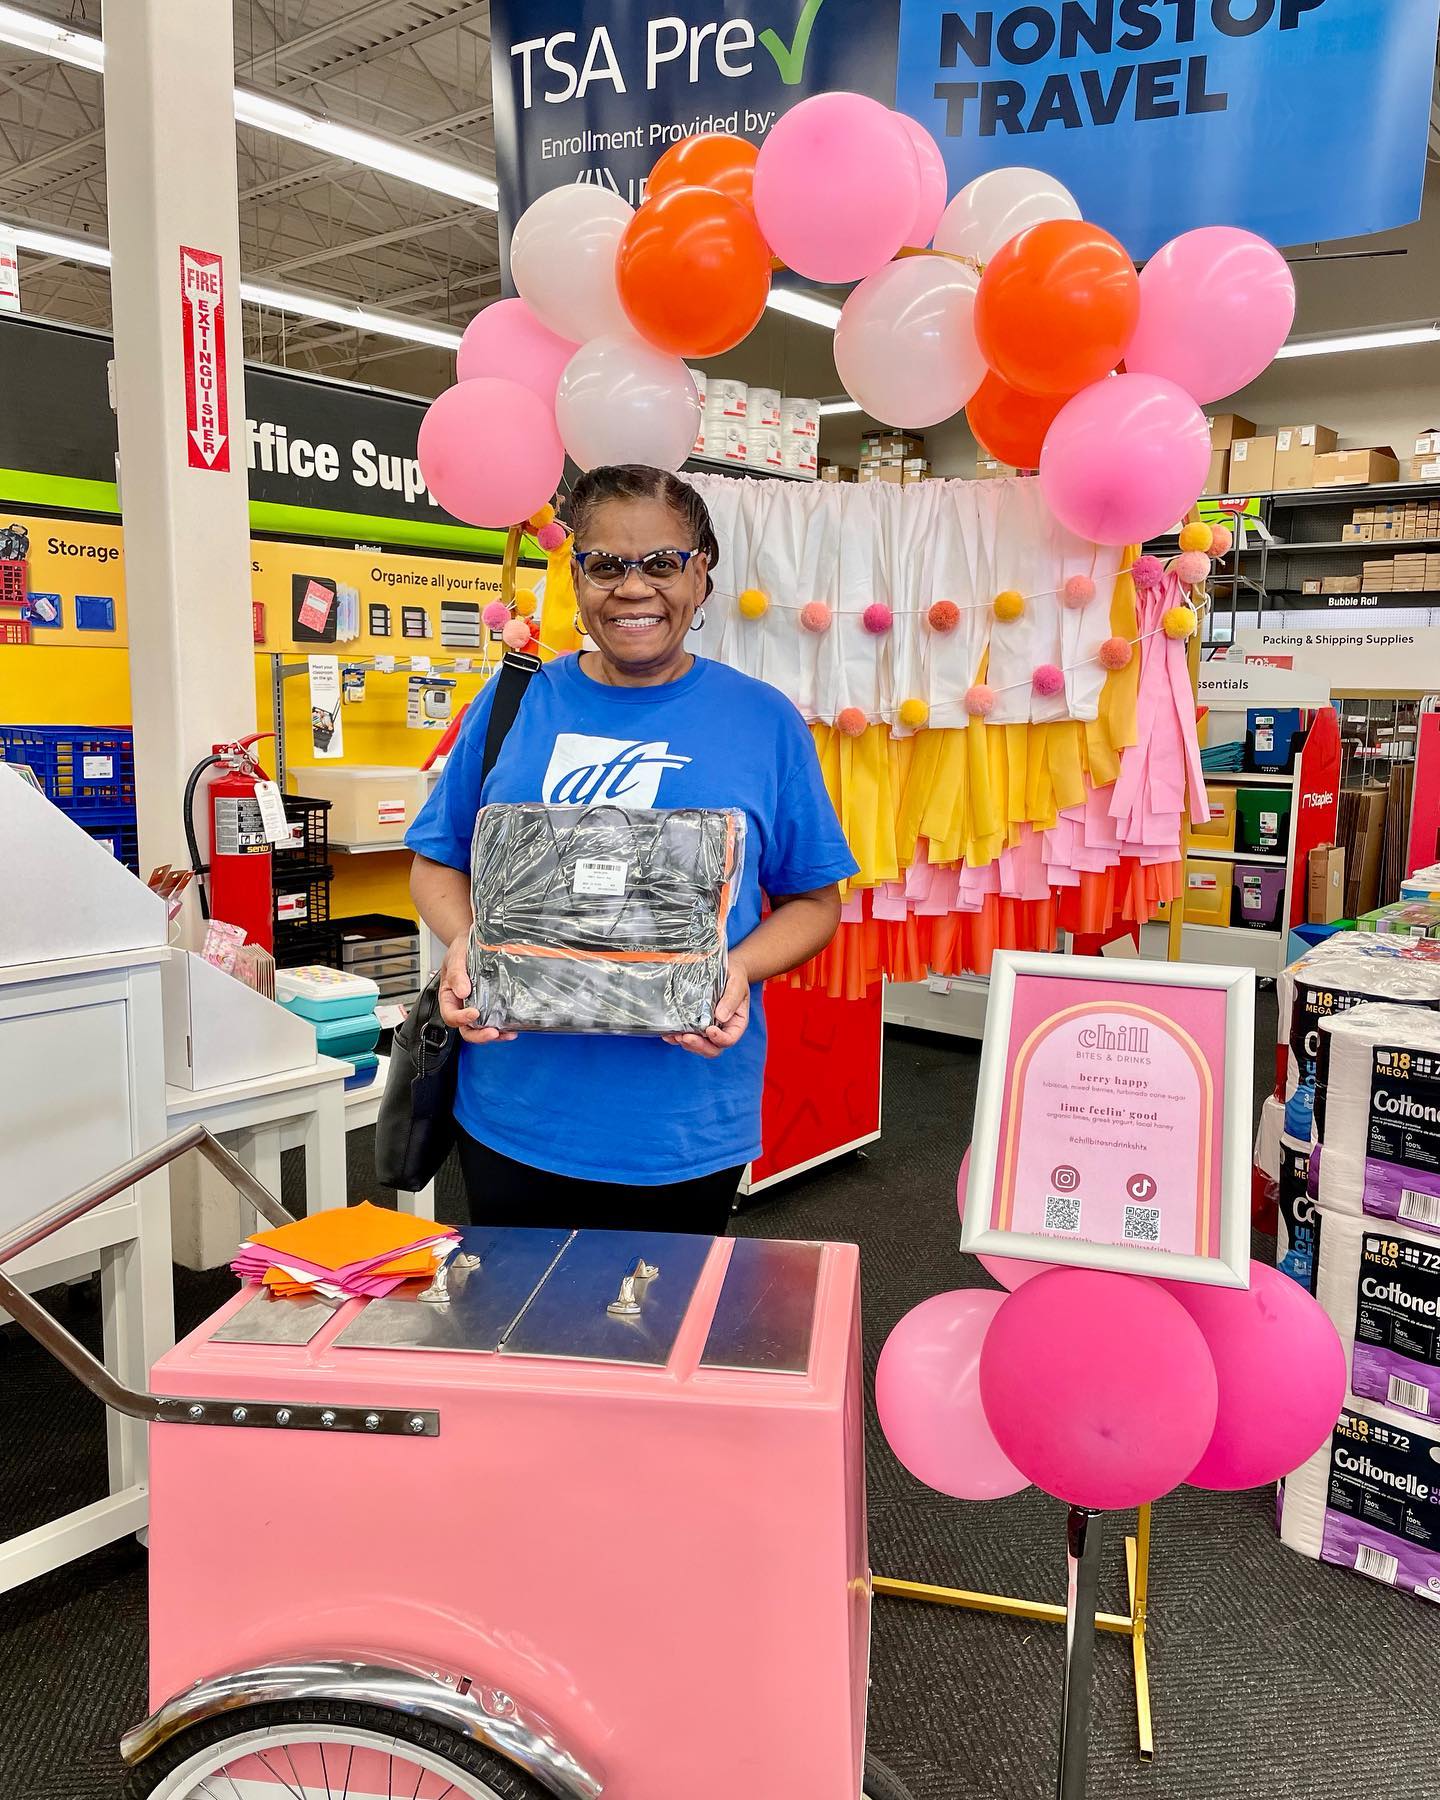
x=239 y=887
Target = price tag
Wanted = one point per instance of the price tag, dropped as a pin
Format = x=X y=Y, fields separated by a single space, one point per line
x=98 y=768
x=598 y=875
x=272 y=812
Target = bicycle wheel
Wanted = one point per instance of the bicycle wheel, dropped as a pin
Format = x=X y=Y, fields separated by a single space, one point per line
x=880 y=1784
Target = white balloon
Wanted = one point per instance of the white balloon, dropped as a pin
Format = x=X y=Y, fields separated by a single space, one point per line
x=992 y=209
x=562 y=259
x=624 y=401
x=905 y=345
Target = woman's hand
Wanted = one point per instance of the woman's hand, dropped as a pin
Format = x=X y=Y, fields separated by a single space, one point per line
x=455 y=991
x=732 y=1015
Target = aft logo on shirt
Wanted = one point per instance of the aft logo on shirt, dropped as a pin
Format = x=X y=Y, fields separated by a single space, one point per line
x=585 y=770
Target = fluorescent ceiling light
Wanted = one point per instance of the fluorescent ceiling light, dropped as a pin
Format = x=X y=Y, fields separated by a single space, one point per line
x=339 y=312
x=828 y=407
x=51 y=243
x=437 y=173
x=804 y=306
x=1362 y=340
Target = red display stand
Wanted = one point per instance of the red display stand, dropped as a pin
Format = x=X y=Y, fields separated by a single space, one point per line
x=822 y=1081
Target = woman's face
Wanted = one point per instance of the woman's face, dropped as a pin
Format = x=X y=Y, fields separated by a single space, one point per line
x=639 y=628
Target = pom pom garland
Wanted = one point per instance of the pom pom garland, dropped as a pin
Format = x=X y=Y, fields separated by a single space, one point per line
x=877 y=618
x=1192 y=569
x=944 y=615
x=551 y=536
x=1148 y=572
x=1115 y=653
x=543 y=517
x=1078 y=591
x=516 y=634
x=852 y=722
x=525 y=603
x=1196 y=537
x=1222 y=540
x=1048 y=681
x=913 y=713
x=980 y=701
x=754 y=603
x=1009 y=606
x=815 y=616
x=1179 y=622
x=496 y=615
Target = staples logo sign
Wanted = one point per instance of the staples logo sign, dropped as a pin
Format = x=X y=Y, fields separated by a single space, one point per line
x=1317 y=799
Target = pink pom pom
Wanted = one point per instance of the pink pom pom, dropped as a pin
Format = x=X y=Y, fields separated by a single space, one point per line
x=1192 y=569
x=1115 y=653
x=1079 y=590
x=1048 y=680
x=815 y=616
x=1148 y=572
x=496 y=615
x=878 y=618
x=516 y=634
x=1222 y=540
x=980 y=701
x=551 y=536
x=944 y=615
x=852 y=721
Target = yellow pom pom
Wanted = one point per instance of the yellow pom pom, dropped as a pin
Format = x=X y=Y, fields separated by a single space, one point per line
x=1196 y=537
x=913 y=713
x=754 y=604
x=546 y=516
x=525 y=603
x=1009 y=606
x=1179 y=622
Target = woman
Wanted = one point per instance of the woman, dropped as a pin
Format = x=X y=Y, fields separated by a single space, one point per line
x=620 y=1132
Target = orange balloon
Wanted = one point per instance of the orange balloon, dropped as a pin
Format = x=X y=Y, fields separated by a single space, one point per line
x=725 y=165
x=693 y=272
x=1012 y=425
x=1057 y=307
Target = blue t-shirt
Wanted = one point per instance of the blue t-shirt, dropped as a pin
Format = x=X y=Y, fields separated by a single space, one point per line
x=637 y=1109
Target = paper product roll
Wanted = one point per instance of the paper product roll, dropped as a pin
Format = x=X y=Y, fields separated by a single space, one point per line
x=801 y=455
x=1377 y=1113
x=702 y=385
x=725 y=399
x=800 y=418
x=1381 y=1288
x=1370 y=1500
x=763 y=404
x=1342 y=972
x=1267 y=1137
x=725 y=439
x=762 y=446
x=1297 y=1234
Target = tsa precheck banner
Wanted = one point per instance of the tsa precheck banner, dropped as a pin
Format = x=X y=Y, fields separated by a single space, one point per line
x=1304 y=120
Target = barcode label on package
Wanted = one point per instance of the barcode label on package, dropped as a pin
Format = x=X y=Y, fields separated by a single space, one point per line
x=1408 y=1394
x=598 y=875
x=1142 y=1224
x=1377 y=1564
x=1419 y=1209
x=1062 y=1212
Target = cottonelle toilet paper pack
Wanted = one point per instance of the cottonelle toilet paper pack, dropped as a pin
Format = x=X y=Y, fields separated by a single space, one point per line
x=1381 y=1287
x=1297 y=1232
x=1377 y=1114
x=1369 y=1500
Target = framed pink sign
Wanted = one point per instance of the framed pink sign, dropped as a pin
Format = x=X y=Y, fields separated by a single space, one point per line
x=1113 y=1121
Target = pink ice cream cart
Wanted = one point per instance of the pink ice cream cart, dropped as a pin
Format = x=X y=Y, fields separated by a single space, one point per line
x=584 y=1517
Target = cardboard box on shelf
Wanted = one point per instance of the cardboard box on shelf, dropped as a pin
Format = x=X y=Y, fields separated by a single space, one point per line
x=917 y=465
x=1311 y=585
x=1296 y=447
x=888 y=472
x=987 y=469
x=1340 y=584
x=1357 y=534
x=911 y=476
x=1252 y=465
x=1218 y=480
x=1423 y=468
x=1428 y=442
x=1356 y=468
x=1225 y=428
x=839 y=472
x=1325 y=888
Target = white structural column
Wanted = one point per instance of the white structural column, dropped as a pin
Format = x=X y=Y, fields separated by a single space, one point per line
x=175 y=240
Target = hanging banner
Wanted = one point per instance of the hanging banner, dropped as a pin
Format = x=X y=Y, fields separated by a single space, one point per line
x=1302 y=120
x=207 y=405
x=9 y=274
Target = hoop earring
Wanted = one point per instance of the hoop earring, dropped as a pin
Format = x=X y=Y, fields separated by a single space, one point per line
x=698 y=622
x=580 y=624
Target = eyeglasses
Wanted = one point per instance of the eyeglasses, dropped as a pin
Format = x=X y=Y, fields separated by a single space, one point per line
x=658 y=568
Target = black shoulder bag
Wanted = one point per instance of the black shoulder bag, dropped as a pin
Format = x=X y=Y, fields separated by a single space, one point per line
x=415 y=1129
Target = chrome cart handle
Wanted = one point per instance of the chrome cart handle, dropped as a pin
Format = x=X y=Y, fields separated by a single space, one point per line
x=626 y=1304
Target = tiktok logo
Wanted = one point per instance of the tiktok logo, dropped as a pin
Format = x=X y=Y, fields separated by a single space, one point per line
x=586 y=770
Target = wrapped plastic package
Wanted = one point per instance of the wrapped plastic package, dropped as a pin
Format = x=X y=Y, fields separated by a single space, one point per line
x=602 y=919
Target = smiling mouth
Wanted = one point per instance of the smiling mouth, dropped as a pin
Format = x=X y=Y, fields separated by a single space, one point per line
x=637 y=622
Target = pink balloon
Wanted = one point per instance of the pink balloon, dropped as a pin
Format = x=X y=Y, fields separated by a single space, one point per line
x=1282 y=1374
x=1009 y=1271
x=1125 y=460
x=490 y=451
x=934 y=183
x=837 y=187
x=1215 y=306
x=927 y=1394
x=1099 y=1387
x=508 y=341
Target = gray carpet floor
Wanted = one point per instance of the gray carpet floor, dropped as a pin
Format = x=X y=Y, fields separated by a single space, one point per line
x=1272 y=1675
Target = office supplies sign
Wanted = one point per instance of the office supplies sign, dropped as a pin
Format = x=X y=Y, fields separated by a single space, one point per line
x=207 y=405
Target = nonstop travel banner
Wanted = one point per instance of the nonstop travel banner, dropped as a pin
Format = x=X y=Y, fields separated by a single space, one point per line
x=1303 y=120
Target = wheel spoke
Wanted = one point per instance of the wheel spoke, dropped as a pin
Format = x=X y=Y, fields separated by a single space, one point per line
x=349 y=1765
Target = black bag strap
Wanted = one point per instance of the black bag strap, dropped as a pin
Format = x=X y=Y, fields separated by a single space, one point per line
x=517 y=671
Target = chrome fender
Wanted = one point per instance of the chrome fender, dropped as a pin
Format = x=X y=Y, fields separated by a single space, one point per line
x=487 y=1715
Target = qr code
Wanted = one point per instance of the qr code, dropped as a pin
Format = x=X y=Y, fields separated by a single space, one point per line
x=1062 y=1212
x=1142 y=1224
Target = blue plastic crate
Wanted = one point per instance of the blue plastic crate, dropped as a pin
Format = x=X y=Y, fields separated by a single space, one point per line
x=84 y=769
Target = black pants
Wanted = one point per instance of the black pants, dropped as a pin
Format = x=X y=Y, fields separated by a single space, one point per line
x=502 y=1191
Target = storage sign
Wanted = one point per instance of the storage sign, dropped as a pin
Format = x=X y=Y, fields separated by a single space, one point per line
x=207 y=406
x=1300 y=119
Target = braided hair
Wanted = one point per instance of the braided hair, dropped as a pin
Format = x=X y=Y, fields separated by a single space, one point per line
x=637 y=481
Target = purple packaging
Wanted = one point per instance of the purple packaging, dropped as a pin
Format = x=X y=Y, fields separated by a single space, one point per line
x=1397 y=1325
